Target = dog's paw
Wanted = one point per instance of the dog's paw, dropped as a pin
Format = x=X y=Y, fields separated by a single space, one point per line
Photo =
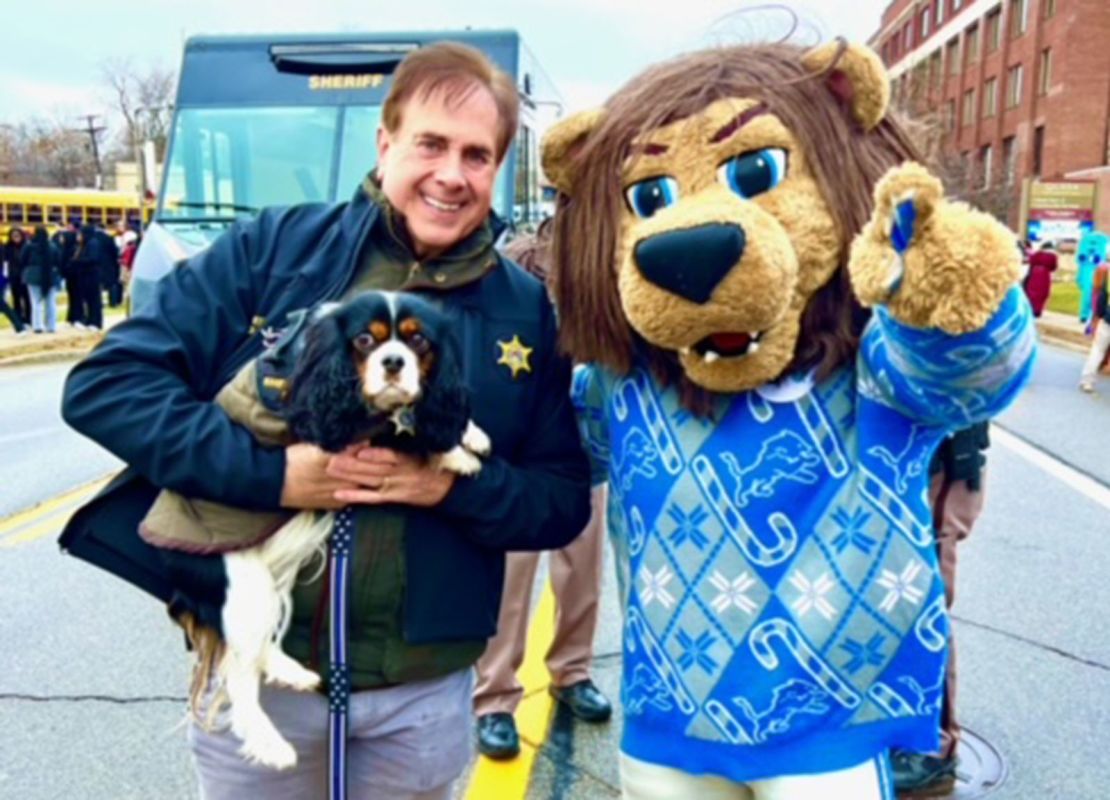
x=284 y=671
x=460 y=461
x=268 y=748
x=476 y=440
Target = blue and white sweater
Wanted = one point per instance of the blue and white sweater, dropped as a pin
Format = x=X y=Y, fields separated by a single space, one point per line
x=783 y=612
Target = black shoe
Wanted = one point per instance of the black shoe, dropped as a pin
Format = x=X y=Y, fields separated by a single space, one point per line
x=585 y=701
x=497 y=736
x=920 y=775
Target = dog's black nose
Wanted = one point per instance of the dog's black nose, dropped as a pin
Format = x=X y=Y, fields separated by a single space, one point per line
x=690 y=262
x=392 y=364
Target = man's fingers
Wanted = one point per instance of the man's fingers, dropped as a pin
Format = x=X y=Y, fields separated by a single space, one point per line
x=378 y=455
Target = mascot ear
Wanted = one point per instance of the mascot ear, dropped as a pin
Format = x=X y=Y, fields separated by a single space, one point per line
x=560 y=144
x=856 y=76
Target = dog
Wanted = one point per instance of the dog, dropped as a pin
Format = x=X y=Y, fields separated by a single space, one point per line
x=383 y=367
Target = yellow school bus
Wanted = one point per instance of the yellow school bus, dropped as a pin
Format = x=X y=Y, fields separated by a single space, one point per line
x=30 y=206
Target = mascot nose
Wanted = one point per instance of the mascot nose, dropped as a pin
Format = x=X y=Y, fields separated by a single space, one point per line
x=690 y=262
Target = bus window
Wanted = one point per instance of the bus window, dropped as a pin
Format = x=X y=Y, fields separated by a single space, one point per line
x=358 y=152
x=34 y=214
x=95 y=215
x=14 y=213
x=113 y=216
x=56 y=215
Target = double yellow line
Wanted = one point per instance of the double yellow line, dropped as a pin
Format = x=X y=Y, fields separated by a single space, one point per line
x=45 y=518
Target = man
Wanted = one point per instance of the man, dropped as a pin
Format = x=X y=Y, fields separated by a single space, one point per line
x=576 y=583
x=956 y=495
x=428 y=558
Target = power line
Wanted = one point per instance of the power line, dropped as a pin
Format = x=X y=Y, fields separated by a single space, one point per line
x=93 y=131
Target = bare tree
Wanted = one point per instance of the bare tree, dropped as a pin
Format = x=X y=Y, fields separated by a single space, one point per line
x=143 y=99
x=45 y=152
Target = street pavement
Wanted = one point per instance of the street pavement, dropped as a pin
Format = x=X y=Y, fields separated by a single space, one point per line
x=93 y=675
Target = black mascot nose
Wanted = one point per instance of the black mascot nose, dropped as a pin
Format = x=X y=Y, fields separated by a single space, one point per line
x=690 y=262
x=393 y=364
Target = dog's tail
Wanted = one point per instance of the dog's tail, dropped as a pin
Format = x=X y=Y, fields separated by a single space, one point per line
x=209 y=649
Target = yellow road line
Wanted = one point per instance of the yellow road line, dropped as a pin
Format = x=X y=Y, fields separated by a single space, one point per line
x=26 y=526
x=508 y=780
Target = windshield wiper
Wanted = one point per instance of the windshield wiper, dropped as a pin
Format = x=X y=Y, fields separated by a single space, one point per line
x=195 y=220
x=214 y=204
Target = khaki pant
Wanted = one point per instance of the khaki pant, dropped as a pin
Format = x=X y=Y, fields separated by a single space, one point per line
x=955 y=509
x=576 y=582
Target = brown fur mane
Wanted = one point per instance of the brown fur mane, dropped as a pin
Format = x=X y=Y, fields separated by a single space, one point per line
x=846 y=162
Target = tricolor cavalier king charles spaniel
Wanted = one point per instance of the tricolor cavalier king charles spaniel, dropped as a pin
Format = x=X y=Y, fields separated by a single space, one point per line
x=383 y=367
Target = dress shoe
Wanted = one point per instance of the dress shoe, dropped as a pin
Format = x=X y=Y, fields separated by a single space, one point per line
x=585 y=701
x=497 y=736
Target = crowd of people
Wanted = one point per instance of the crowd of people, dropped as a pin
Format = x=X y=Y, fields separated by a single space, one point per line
x=86 y=262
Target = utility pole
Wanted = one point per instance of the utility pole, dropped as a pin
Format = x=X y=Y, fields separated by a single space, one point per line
x=93 y=131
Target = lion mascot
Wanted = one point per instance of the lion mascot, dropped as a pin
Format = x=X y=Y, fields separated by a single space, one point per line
x=778 y=317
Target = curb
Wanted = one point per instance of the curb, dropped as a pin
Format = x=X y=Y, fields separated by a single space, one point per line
x=44 y=357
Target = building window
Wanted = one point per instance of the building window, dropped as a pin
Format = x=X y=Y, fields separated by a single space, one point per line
x=1013 y=86
x=940 y=12
x=935 y=69
x=985 y=165
x=956 y=5
x=1038 y=150
x=990 y=97
x=1018 y=10
x=1045 y=78
x=953 y=57
x=1009 y=159
x=969 y=107
x=971 y=46
x=925 y=23
x=950 y=116
x=1049 y=8
x=909 y=37
x=994 y=30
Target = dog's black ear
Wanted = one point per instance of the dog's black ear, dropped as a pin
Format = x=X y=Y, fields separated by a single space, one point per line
x=325 y=401
x=443 y=412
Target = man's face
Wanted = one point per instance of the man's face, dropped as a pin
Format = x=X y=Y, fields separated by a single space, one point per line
x=438 y=167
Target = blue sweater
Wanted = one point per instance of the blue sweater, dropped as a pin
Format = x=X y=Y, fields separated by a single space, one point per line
x=783 y=612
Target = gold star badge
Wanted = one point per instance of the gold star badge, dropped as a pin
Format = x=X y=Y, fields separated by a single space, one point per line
x=514 y=355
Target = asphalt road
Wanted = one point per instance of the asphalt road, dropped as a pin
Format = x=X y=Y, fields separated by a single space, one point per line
x=92 y=675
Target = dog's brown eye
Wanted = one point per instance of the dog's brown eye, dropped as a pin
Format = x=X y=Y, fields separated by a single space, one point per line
x=364 y=342
x=418 y=341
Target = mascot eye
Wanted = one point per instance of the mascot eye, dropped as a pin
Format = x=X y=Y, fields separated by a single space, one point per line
x=364 y=342
x=647 y=197
x=751 y=174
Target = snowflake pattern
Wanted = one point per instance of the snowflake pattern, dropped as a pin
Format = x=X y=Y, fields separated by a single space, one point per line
x=812 y=595
x=851 y=534
x=655 y=586
x=863 y=654
x=732 y=593
x=688 y=526
x=900 y=587
x=695 y=652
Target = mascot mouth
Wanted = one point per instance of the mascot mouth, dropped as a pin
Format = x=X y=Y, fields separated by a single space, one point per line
x=716 y=346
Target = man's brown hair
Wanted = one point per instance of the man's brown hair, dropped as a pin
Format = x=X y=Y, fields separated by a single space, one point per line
x=455 y=71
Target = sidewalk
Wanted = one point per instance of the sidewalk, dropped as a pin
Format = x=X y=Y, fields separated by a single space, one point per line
x=1064 y=330
x=67 y=344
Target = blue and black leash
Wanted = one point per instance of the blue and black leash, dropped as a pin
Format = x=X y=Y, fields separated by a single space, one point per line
x=339 y=672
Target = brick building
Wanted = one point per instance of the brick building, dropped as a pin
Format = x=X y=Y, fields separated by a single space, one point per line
x=1016 y=88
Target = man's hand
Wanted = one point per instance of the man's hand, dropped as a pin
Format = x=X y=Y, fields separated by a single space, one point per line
x=307 y=482
x=374 y=475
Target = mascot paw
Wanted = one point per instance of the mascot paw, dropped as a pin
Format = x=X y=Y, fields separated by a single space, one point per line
x=933 y=262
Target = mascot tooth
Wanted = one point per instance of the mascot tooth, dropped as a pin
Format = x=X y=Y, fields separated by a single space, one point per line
x=778 y=316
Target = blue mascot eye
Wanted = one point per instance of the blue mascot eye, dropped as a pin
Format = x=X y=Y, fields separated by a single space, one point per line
x=752 y=174
x=648 y=196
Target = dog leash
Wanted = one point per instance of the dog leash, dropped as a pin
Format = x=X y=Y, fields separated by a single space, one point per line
x=339 y=672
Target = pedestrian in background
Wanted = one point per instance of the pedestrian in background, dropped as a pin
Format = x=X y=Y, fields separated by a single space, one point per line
x=1038 y=283
x=66 y=241
x=576 y=582
x=13 y=257
x=109 y=267
x=5 y=309
x=1090 y=253
x=42 y=274
x=956 y=495
x=86 y=272
x=1100 y=307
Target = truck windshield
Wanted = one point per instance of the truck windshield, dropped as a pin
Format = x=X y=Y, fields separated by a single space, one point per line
x=231 y=162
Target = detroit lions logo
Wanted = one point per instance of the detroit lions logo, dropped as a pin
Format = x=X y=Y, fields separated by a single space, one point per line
x=637 y=457
x=788 y=701
x=928 y=697
x=904 y=471
x=645 y=690
x=784 y=457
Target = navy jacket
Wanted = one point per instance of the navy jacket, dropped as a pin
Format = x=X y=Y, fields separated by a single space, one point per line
x=144 y=393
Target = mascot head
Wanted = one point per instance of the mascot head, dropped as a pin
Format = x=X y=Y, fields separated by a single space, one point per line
x=708 y=209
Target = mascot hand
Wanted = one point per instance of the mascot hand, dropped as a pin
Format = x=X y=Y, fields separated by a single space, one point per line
x=933 y=262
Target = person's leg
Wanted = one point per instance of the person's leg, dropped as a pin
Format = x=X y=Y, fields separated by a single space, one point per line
x=36 y=308
x=641 y=780
x=576 y=582
x=497 y=689
x=51 y=310
x=96 y=305
x=13 y=318
x=868 y=781
x=1099 y=345
x=73 y=304
x=412 y=741
x=302 y=717
x=22 y=301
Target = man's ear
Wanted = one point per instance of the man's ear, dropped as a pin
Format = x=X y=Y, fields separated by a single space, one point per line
x=560 y=144
x=855 y=74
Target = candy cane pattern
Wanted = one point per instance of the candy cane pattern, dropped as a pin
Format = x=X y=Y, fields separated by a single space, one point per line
x=761 y=410
x=822 y=434
x=663 y=667
x=765 y=633
x=727 y=724
x=930 y=628
x=890 y=505
x=890 y=701
x=638 y=537
x=655 y=421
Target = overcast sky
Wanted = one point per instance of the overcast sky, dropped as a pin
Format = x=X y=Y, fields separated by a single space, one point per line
x=52 y=49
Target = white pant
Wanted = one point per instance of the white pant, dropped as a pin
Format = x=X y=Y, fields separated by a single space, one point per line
x=1097 y=352
x=40 y=302
x=643 y=781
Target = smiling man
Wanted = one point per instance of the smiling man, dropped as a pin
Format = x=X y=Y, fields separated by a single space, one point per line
x=428 y=551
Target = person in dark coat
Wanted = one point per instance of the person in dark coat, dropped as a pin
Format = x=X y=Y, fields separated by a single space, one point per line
x=86 y=275
x=13 y=258
x=66 y=242
x=109 y=268
x=42 y=275
x=5 y=309
x=1038 y=284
